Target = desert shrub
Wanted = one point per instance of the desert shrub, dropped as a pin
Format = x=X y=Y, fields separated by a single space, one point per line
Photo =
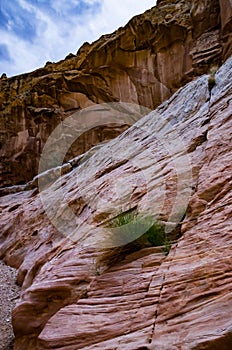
x=123 y=219
x=154 y=232
x=167 y=245
x=129 y=227
x=131 y=232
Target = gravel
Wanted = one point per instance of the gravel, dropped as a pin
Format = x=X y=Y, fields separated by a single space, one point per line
x=9 y=293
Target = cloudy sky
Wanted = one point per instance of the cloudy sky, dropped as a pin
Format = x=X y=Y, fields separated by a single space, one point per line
x=33 y=32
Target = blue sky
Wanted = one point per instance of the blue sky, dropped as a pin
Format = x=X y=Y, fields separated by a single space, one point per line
x=33 y=32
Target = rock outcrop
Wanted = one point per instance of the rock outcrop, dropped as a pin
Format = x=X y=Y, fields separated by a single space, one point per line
x=144 y=63
x=72 y=299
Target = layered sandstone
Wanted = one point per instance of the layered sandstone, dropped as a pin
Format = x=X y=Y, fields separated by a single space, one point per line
x=144 y=63
x=72 y=299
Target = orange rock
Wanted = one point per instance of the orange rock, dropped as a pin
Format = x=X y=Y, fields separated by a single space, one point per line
x=147 y=300
x=145 y=63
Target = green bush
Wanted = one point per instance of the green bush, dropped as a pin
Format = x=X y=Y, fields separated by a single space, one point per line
x=154 y=233
x=143 y=231
x=131 y=232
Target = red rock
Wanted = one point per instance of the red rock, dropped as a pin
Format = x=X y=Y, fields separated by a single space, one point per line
x=74 y=294
x=144 y=63
x=71 y=299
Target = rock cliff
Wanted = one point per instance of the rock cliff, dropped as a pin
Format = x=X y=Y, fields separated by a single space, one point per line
x=75 y=299
x=79 y=289
x=145 y=63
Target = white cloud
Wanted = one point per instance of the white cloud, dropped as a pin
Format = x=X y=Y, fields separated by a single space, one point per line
x=59 y=35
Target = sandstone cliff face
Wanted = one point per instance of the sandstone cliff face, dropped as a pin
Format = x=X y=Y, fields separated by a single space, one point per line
x=71 y=299
x=145 y=63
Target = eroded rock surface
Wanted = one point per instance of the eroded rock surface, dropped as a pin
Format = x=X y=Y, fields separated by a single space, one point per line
x=144 y=63
x=147 y=300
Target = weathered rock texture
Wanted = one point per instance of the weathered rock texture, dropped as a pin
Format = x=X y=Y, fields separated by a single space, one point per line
x=71 y=298
x=9 y=293
x=144 y=63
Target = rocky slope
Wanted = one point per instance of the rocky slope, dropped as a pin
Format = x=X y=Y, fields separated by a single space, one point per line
x=176 y=158
x=145 y=63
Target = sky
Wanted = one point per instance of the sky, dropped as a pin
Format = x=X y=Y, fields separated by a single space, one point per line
x=33 y=32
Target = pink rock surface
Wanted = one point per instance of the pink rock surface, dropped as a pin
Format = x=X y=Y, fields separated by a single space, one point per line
x=71 y=300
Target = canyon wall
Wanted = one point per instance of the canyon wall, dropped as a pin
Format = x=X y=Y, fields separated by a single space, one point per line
x=79 y=291
x=143 y=63
x=175 y=163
